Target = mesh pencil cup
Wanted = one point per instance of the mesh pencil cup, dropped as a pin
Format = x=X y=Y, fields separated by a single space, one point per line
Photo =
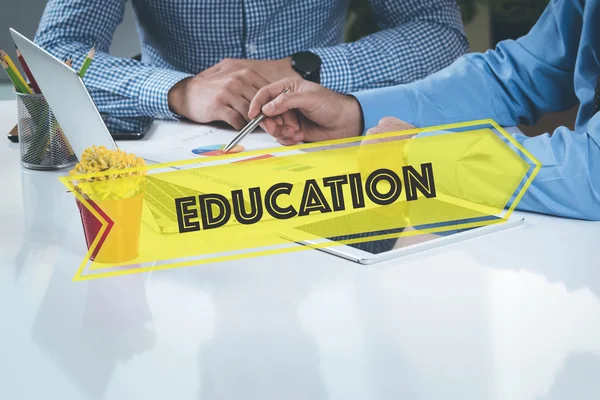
x=42 y=142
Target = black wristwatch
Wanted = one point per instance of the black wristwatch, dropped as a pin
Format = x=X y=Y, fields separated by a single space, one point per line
x=308 y=65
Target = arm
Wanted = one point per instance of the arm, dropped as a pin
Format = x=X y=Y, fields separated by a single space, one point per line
x=568 y=184
x=418 y=37
x=518 y=82
x=123 y=88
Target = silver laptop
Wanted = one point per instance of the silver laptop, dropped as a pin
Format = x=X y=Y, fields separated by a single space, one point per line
x=65 y=92
x=83 y=125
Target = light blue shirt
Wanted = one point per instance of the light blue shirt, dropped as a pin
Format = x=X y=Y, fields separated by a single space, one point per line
x=550 y=69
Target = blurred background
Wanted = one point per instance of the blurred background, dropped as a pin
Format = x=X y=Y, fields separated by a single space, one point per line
x=486 y=22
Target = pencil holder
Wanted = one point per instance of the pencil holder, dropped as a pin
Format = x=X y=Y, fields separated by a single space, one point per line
x=42 y=142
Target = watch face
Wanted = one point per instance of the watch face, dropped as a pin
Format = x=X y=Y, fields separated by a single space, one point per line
x=308 y=65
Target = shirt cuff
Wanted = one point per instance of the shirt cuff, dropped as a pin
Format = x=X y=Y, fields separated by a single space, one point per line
x=154 y=93
x=335 y=72
x=385 y=102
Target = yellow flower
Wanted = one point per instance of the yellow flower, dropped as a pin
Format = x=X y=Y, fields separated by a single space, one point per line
x=115 y=184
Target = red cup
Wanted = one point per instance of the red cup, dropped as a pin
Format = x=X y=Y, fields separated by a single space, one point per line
x=119 y=243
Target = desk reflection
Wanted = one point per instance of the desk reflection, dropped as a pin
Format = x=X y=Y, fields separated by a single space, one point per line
x=88 y=328
x=46 y=202
x=577 y=379
x=260 y=348
x=554 y=256
x=483 y=323
x=48 y=211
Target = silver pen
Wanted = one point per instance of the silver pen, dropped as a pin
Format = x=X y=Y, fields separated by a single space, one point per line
x=252 y=125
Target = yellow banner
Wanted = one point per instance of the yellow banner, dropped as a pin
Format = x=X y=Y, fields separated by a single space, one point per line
x=263 y=202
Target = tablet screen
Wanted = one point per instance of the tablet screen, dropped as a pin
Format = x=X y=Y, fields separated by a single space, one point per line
x=380 y=246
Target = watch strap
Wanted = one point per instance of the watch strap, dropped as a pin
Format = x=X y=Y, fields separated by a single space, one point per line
x=309 y=73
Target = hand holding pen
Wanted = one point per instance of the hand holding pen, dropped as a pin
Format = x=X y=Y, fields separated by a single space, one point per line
x=308 y=112
x=252 y=125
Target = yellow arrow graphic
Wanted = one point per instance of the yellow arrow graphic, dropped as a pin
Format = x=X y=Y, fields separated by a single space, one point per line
x=359 y=189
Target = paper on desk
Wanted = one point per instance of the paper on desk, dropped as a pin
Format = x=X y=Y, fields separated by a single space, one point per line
x=179 y=143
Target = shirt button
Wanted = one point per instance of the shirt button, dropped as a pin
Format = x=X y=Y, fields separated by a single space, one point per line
x=251 y=48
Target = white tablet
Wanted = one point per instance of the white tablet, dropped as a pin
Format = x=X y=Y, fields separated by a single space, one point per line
x=361 y=250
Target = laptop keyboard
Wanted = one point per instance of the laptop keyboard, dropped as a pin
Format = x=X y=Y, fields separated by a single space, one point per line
x=160 y=196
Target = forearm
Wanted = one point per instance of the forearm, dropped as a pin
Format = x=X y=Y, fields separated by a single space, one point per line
x=568 y=183
x=120 y=87
x=418 y=38
x=505 y=85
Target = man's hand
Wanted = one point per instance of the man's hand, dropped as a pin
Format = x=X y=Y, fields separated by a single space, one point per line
x=271 y=70
x=390 y=124
x=308 y=113
x=218 y=97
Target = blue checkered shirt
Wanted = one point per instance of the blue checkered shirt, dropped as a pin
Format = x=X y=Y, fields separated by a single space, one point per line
x=181 y=38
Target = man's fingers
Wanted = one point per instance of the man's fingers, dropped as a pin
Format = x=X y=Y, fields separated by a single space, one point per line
x=283 y=131
x=247 y=91
x=210 y=71
x=299 y=136
x=373 y=131
x=216 y=70
x=269 y=125
x=390 y=124
x=288 y=101
x=239 y=104
x=384 y=129
x=243 y=83
x=268 y=93
x=286 y=135
x=232 y=117
x=225 y=66
x=287 y=141
x=250 y=82
x=390 y=121
x=290 y=118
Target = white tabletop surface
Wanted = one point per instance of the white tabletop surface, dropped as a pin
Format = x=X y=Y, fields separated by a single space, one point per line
x=514 y=315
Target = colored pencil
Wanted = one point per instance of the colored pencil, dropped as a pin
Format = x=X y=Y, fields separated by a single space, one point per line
x=19 y=86
x=87 y=62
x=13 y=135
x=32 y=81
x=4 y=65
x=12 y=67
x=69 y=61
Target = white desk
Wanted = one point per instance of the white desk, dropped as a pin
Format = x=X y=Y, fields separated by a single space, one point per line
x=510 y=316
